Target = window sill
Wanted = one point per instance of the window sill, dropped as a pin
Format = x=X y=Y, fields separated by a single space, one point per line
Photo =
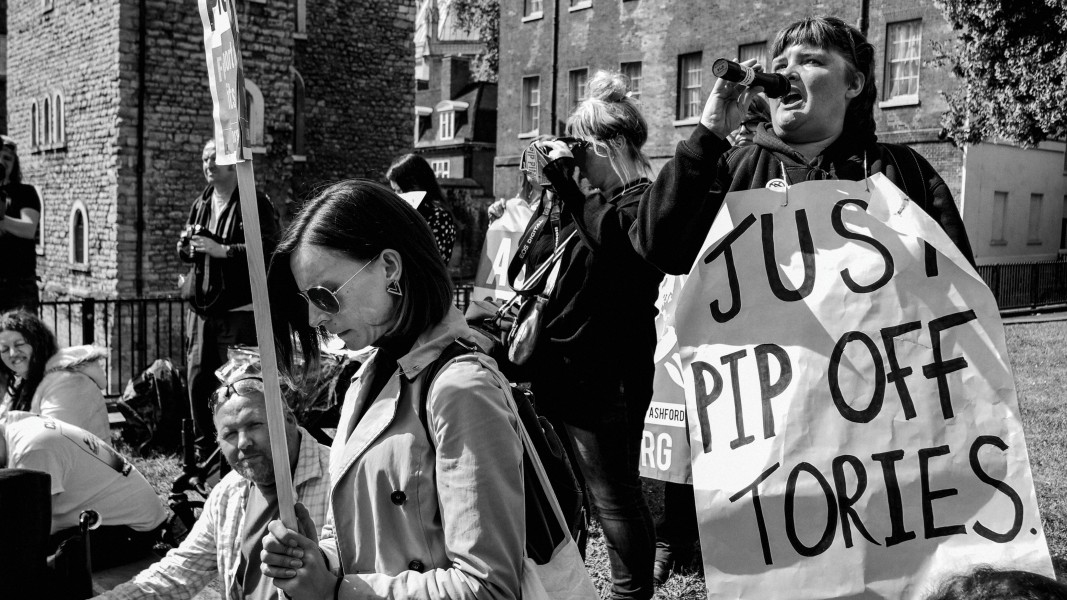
x=578 y=7
x=998 y=243
x=533 y=17
x=60 y=147
x=259 y=149
x=80 y=268
x=900 y=101
x=686 y=122
x=300 y=36
x=529 y=134
x=300 y=158
x=1033 y=242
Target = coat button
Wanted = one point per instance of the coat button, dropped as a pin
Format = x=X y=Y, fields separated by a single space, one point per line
x=415 y=565
x=398 y=497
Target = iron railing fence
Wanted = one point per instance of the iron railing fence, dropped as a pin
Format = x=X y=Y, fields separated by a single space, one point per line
x=1027 y=285
x=136 y=331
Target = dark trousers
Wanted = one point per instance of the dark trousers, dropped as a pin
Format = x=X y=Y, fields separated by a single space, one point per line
x=210 y=338
x=608 y=456
x=25 y=519
x=19 y=292
x=676 y=529
x=109 y=545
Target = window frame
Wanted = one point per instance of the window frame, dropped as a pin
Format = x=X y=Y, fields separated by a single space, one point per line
x=256 y=133
x=1033 y=228
x=78 y=208
x=999 y=222
x=889 y=99
x=577 y=78
x=763 y=52
x=446 y=125
x=685 y=89
x=635 y=82
x=35 y=126
x=530 y=112
x=441 y=173
x=528 y=12
x=39 y=235
x=59 y=120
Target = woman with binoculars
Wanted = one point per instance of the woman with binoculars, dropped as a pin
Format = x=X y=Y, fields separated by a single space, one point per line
x=593 y=364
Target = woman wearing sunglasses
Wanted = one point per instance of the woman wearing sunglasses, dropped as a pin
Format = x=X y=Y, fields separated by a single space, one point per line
x=593 y=371
x=424 y=495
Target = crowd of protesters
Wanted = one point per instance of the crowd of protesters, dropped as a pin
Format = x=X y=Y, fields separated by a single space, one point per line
x=417 y=496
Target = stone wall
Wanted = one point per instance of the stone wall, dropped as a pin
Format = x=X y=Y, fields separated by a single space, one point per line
x=360 y=89
x=71 y=50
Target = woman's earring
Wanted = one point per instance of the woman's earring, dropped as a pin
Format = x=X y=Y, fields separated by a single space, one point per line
x=394 y=288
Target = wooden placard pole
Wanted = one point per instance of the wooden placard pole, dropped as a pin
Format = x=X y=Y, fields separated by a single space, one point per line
x=225 y=76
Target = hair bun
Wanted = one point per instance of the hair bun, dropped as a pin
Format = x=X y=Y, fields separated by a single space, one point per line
x=609 y=86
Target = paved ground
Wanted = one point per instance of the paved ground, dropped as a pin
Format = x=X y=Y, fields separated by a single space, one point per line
x=1060 y=314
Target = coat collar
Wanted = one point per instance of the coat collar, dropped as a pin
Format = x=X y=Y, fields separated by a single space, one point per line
x=382 y=410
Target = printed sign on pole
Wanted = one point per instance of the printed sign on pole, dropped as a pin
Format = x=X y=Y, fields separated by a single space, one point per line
x=223 y=51
x=501 y=243
x=226 y=78
x=854 y=423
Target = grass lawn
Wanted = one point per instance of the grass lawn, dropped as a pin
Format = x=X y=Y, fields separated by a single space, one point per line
x=1037 y=356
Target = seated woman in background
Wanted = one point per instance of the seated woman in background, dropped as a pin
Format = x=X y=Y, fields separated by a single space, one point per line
x=427 y=471
x=411 y=173
x=42 y=379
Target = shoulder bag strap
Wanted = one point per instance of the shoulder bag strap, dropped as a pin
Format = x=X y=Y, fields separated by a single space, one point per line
x=534 y=230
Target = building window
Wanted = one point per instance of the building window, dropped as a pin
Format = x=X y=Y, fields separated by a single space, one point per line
x=1000 y=218
x=35 y=131
x=757 y=51
x=441 y=168
x=531 y=105
x=46 y=121
x=38 y=236
x=47 y=5
x=254 y=114
x=1033 y=232
x=903 y=41
x=1063 y=225
x=578 y=86
x=632 y=70
x=298 y=114
x=59 y=120
x=446 y=128
x=301 y=19
x=689 y=74
x=79 y=236
x=3 y=56
x=423 y=121
x=532 y=8
x=579 y=4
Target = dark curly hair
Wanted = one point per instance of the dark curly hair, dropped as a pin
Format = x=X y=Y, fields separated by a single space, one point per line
x=987 y=583
x=43 y=343
x=831 y=33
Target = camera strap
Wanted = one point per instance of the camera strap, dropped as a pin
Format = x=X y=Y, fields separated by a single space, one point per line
x=549 y=214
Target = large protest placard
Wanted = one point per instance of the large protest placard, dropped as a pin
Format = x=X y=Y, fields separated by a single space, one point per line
x=226 y=76
x=501 y=243
x=665 y=440
x=854 y=423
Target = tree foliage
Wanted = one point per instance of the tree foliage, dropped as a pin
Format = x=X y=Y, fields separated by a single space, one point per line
x=1011 y=58
x=482 y=17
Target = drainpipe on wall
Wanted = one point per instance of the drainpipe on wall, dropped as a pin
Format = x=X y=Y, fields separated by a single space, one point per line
x=142 y=41
x=865 y=16
x=555 y=61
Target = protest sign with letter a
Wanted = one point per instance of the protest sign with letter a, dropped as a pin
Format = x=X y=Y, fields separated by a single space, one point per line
x=854 y=423
x=501 y=243
x=665 y=440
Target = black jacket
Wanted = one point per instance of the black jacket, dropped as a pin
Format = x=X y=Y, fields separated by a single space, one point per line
x=599 y=335
x=229 y=284
x=677 y=211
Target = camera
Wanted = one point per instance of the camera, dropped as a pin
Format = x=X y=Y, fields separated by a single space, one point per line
x=536 y=156
x=197 y=229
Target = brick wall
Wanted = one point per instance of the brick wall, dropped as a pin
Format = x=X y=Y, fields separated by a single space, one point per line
x=71 y=50
x=360 y=89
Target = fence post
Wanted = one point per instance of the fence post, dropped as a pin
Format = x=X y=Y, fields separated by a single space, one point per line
x=1033 y=286
x=88 y=320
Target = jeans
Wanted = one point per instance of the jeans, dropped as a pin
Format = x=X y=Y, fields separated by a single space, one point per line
x=608 y=457
x=676 y=530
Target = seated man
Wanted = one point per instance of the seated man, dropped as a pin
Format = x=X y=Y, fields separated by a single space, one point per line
x=227 y=538
x=86 y=474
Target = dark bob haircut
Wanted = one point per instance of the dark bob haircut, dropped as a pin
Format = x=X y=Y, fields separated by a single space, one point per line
x=43 y=343
x=831 y=33
x=360 y=219
x=987 y=583
x=15 y=176
x=411 y=173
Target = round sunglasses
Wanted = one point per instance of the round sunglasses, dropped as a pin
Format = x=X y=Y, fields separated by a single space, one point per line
x=327 y=300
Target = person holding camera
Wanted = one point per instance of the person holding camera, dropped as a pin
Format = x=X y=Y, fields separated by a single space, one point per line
x=217 y=286
x=20 y=212
x=593 y=365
